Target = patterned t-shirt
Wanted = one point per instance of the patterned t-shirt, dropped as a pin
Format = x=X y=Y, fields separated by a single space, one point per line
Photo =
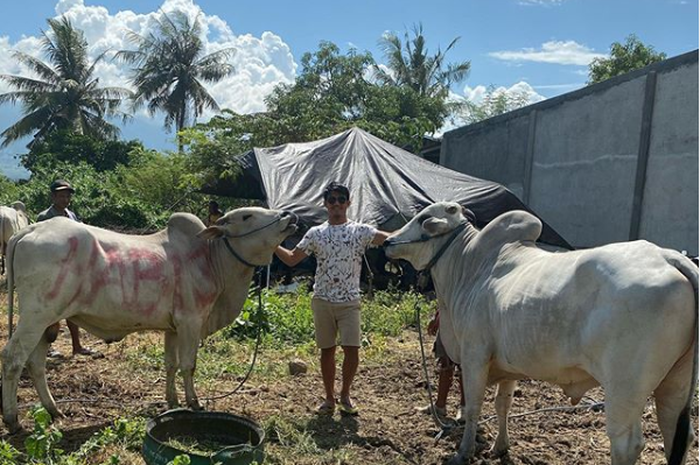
x=338 y=250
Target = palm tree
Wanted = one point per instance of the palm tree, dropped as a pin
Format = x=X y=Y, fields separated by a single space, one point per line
x=65 y=96
x=169 y=67
x=410 y=65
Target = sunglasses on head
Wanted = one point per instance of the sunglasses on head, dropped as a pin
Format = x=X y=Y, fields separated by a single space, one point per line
x=341 y=199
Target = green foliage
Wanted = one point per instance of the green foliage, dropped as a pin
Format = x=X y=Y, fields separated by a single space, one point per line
x=631 y=55
x=42 y=444
x=494 y=103
x=9 y=190
x=287 y=318
x=67 y=146
x=65 y=96
x=180 y=460
x=136 y=198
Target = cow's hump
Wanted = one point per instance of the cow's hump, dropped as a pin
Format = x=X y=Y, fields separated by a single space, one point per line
x=185 y=224
x=512 y=226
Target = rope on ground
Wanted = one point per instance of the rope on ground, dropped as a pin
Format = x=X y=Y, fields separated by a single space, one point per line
x=444 y=427
x=595 y=406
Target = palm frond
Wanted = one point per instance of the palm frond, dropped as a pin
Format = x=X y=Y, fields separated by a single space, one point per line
x=43 y=70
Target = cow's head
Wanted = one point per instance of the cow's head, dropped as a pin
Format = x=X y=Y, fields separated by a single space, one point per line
x=253 y=232
x=413 y=241
x=21 y=213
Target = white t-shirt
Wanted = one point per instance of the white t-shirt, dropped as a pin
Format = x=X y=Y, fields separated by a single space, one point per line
x=338 y=250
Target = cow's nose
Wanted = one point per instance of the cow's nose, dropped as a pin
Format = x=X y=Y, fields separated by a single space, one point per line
x=287 y=214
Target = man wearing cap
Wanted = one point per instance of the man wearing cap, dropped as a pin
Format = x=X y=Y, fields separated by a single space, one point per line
x=338 y=245
x=61 y=194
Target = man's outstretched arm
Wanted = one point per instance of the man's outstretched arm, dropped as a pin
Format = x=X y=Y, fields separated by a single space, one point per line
x=290 y=257
x=380 y=237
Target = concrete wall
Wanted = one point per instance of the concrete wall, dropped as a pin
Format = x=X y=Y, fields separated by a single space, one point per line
x=611 y=162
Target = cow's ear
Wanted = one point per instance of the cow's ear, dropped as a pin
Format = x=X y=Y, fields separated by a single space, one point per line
x=451 y=209
x=212 y=232
x=435 y=226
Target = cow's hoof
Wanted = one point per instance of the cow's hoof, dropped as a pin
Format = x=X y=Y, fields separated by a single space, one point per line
x=457 y=460
x=196 y=407
x=498 y=450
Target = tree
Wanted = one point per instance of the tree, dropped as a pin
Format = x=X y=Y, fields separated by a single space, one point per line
x=495 y=102
x=329 y=96
x=170 y=66
x=65 y=96
x=69 y=147
x=631 y=55
x=410 y=65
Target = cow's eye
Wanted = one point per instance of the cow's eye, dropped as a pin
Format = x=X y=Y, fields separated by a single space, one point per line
x=246 y=217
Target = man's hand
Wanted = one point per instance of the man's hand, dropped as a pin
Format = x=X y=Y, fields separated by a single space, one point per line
x=380 y=237
x=290 y=257
x=433 y=326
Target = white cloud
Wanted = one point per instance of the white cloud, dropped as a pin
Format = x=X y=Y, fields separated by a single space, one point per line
x=260 y=62
x=476 y=95
x=558 y=52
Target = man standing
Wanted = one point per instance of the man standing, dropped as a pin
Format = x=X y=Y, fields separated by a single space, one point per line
x=61 y=194
x=338 y=245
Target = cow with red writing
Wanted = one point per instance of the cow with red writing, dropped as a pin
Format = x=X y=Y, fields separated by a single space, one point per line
x=186 y=280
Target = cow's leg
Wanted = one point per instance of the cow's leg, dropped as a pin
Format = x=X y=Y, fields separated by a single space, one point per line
x=171 y=364
x=474 y=378
x=623 y=414
x=504 y=399
x=36 y=366
x=14 y=356
x=671 y=397
x=187 y=344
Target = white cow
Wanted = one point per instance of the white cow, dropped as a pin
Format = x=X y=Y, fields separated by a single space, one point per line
x=185 y=280
x=12 y=219
x=622 y=316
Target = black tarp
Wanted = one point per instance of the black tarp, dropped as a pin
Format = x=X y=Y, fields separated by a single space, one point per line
x=388 y=185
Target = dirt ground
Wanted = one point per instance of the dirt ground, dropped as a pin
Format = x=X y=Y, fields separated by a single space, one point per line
x=389 y=430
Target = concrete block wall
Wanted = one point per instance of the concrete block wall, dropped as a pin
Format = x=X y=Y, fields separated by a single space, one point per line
x=611 y=162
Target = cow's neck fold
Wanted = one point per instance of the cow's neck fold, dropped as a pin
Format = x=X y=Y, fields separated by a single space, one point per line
x=227 y=268
x=447 y=270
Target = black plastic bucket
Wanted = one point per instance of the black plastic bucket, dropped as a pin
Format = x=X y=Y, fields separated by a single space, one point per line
x=240 y=439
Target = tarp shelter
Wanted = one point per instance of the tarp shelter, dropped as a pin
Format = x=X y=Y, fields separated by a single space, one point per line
x=388 y=185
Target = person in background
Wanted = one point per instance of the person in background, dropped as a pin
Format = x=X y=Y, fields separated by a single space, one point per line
x=61 y=195
x=446 y=373
x=338 y=245
x=214 y=213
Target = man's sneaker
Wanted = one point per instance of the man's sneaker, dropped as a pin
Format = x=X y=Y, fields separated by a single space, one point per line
x=53 y=353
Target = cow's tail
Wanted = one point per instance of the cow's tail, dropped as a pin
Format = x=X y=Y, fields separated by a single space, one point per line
x=11 y=276
x=3 y=243
x=680 y=439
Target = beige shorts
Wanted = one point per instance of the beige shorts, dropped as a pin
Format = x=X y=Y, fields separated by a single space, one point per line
x=331 y=318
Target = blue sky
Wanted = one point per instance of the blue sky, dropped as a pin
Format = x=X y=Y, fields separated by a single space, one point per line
x=541 y=47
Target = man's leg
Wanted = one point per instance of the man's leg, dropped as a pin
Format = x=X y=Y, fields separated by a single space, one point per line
x=350 y=363
x=78 y=349
x=447 y=372
x=328 y=375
